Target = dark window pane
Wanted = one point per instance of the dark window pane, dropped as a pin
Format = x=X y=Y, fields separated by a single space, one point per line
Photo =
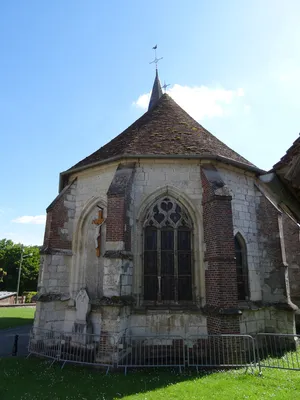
x=167 y=239
x=185 y=288
x=150 y=238
x=167 y=288
x=167 y=263
x=150 y=262
x=184 y=263
x=184 y=239
x=241 y=269
x=175 y=217
x=159 y=217
x=150 y=287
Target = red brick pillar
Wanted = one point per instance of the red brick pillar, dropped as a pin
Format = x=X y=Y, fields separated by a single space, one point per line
x=118 y=227
x=220 y=274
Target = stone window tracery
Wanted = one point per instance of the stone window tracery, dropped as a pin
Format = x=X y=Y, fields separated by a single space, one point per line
x=167 y=253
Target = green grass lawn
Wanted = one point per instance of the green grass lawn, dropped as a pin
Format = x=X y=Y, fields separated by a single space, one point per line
x=11 y=317
x=32 y=379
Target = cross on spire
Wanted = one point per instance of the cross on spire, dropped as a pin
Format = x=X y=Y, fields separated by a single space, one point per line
x=156 y=60
x=165 y=86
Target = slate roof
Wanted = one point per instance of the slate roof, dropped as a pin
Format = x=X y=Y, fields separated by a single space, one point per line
x=294 y=150
x=166 y=129
x=4 y=295
x=156 y=92
x=288 y=169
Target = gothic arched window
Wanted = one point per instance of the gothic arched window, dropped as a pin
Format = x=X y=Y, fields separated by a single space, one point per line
x=241 y=267
x=167 y=253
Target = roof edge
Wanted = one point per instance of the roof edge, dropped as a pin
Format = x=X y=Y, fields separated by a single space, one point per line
x=60 y=194
x=203 y=156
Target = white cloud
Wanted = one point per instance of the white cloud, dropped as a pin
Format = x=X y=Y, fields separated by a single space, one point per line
x=201 y=101
x=29 y=219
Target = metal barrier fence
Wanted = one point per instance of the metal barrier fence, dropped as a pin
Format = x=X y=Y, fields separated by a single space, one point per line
x=275 y=350
x=155 y=351
x=221 y=351
x=266 y=350
x=73 y=347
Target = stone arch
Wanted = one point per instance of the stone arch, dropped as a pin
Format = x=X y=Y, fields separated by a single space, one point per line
x=78 y=278
x=197 y=240
x=241 y=257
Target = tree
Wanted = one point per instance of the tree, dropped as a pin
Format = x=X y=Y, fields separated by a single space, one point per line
x=2 y=274
x=10 y=255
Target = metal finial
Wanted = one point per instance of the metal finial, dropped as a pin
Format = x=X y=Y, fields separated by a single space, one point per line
x=156 y=60
x=165 y=86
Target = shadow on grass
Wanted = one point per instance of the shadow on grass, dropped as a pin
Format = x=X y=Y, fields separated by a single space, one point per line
x=13 y=322
x=37 y=378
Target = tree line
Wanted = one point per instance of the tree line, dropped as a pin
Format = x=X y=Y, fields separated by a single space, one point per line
x=10 y=256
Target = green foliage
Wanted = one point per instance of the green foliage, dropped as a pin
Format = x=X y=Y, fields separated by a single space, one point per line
x=29 y=296
x=2 y=274
x=10 y=256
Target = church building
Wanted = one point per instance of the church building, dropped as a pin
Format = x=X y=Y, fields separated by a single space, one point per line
x=165 y=230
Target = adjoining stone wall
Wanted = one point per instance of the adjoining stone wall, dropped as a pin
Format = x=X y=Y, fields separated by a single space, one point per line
x=274 y=272
x=267 y=319
x=50 y=315
x=252 y=321
x=168 y=322
x=244 y=199
x=291 y=236
x=54 y=273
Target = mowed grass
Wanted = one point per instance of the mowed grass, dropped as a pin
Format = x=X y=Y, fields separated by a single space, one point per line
x=11 y=317
x=32 y=379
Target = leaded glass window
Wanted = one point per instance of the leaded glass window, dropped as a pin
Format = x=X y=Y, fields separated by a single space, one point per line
x=167 y=253
x=241 y=267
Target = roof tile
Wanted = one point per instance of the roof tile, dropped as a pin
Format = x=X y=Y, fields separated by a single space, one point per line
x=166 y=129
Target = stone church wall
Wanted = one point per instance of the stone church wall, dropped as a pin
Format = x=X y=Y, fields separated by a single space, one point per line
x=291 y=235
x=258 y=221
x=121 y=266
x=244 y=197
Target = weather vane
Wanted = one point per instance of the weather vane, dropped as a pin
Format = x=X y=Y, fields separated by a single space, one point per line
x=156 y=60
x=165 y=86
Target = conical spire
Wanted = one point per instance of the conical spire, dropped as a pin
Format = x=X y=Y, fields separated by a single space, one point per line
x=156 y=92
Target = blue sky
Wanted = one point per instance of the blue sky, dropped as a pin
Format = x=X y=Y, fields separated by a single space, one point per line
x=74 y=74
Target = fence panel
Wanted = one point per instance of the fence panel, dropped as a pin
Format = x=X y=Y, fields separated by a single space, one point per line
x=221 y=351
x=73 y=347
x=269 y=350
x=151 y=351
x=275 y=350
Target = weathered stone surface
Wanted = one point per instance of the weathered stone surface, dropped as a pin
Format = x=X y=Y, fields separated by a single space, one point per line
x=82 y=305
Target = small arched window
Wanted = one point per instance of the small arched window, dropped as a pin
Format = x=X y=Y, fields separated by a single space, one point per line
x=241 y=267
x=167 y=253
